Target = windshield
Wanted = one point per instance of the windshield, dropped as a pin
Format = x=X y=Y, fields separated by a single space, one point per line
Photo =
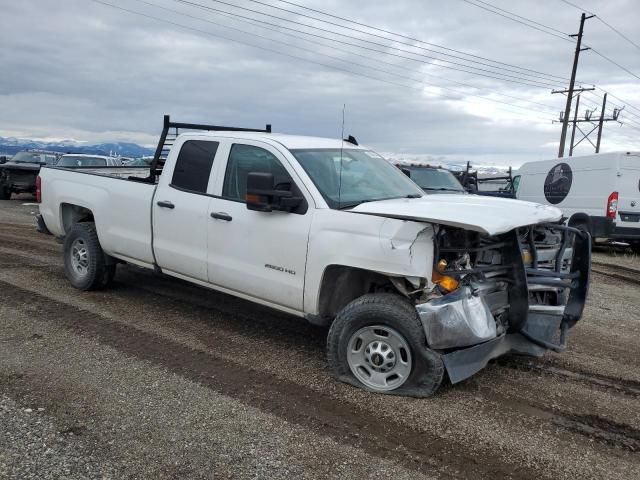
x=361 y=176
x=80 y=161
x=34 y=157
x=434 y=179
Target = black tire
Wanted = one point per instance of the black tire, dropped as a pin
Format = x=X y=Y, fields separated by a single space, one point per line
x=394 y=312
x=584 y=227
x=636 y=248
x=95 y=273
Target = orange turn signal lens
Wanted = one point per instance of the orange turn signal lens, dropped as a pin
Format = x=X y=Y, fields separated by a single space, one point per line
x=446 y=282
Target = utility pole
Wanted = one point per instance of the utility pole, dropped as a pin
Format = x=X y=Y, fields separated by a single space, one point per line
x=575 y=122
x=601 y=122
x=572 y=83
x=593 y=123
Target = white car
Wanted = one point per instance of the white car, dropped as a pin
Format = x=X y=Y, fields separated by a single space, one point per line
x=412 y=285
x=596 y=193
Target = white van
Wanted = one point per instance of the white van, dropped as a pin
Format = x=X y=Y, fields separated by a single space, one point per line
x=598 y=193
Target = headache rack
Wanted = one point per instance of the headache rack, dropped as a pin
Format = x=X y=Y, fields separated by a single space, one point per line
x=170 y=132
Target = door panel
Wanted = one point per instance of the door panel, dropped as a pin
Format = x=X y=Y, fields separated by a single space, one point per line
x=180 y=233
x=262 y=254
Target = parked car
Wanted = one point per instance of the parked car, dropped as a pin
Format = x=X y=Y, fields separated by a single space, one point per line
x=432 y=179
x=412 y=285
x=75 y=160
x=597 y=193
x=18 y=175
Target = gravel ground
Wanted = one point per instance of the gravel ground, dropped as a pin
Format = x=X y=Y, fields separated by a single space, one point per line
x=156 y=377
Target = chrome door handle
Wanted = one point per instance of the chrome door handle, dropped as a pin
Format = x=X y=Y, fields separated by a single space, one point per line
x=165 y=204
x=221 y=216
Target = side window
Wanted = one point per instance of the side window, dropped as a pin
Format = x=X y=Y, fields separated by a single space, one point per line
x=247 y=158
x=516 y=183
x=193 y=165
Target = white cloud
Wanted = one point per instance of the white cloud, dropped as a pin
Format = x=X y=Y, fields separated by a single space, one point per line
x=78 y=69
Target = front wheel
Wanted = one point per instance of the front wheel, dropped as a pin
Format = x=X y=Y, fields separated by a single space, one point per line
x=84 y=261
x=378 y=343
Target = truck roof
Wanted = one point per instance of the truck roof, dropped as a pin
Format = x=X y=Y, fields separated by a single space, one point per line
x=291 y=142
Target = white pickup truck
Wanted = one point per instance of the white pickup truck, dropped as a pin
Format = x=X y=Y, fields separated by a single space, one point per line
x=412 y=284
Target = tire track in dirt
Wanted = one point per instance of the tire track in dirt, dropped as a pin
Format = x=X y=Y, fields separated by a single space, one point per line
x=608 y=432
x=620 y=385
x=26 y=245
x=292 y=402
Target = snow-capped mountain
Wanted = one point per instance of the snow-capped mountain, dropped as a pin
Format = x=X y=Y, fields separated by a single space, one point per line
x=12 y=145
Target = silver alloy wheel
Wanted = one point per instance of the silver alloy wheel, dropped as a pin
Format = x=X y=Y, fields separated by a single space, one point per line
x=379 y=357
x=79 y=257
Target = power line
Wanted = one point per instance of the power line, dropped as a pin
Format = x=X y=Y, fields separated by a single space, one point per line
x=395 y=65
x=548 y=32
x=614 y=62
x=269 y=5
x=334 y=67
x=383 y=52
x=413 y=39
x=529 y=81
x=566 y=38
x=577 y=7
x=490 y=5
x=605 y=23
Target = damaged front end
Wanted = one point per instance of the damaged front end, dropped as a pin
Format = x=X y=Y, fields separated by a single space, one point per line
x=518 y=292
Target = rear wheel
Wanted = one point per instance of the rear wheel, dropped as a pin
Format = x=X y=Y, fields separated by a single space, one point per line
x=377 y=343
x=84 y=261
x=636 y=248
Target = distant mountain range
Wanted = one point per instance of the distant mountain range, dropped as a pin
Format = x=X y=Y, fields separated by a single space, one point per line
x=11 y=146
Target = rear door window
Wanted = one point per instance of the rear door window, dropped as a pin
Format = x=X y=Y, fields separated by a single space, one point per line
x=193 y=165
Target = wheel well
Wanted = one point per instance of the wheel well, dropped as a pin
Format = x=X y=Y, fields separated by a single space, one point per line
x=340 y=285
x=72 y=214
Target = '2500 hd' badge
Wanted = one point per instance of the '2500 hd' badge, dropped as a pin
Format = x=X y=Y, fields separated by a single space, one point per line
x=280 y=269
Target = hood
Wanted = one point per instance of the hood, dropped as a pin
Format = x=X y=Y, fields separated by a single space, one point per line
x=488 y=215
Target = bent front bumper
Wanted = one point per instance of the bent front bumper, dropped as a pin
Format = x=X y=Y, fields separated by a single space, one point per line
x=461 y=325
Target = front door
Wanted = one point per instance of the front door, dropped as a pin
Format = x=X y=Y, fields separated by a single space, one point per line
x=261 y=254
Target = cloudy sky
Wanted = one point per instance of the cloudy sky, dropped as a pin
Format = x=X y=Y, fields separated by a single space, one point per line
x=84 y=70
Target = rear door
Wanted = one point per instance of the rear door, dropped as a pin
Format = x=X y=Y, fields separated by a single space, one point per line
x=629 y=191
x=261 y=254
x=180 y=210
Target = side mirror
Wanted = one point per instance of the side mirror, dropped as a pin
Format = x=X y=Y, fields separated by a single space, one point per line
x=262 y=195
x=406 y=171
x=3 y=159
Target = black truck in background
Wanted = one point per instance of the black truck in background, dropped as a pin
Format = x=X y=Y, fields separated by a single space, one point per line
x=18 y=175
x=500 y=185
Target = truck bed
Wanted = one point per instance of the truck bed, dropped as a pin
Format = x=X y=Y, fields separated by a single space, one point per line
x=120 y=206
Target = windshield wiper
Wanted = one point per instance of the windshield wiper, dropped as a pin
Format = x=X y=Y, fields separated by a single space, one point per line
x=346 y=206
x=442 y=189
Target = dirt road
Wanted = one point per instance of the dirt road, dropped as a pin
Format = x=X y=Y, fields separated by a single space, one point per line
x=159 y=378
